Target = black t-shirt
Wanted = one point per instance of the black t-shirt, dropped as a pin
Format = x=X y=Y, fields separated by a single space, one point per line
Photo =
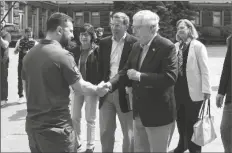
x=48 y=70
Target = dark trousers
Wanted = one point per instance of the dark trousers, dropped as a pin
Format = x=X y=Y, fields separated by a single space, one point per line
x=20 y=66
x=20 y=83
x=54 y=140
x=187 y=116
x=4 y=80
x=226 y=128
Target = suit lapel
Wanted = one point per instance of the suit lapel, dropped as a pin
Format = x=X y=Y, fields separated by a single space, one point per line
x=125 y=52
x=137 y=57
x=153 y=49
x=191 y=52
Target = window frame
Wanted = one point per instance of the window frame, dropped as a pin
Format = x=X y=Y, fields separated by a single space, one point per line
x=98 y=16
x=218 y=15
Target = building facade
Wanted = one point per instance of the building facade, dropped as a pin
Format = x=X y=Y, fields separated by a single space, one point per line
x=97 y=12
x=28 y=14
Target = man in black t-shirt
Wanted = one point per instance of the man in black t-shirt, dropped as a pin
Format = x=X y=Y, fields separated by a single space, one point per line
x=5 y=39
x=22 y=47
x=48 y=71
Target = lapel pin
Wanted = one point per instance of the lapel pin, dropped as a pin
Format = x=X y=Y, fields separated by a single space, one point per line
x=153 y=49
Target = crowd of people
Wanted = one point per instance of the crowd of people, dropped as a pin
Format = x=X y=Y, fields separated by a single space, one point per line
x=149 y=82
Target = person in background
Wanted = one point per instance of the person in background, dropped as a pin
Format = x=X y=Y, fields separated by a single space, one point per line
x=22 y=47
x=86 y=57
x=48 y=72
x=193 y=83
x=99 y=32
x=5 y=39
x=225 y=89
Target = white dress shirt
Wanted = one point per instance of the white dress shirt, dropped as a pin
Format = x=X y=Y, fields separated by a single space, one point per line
x=116 y=52
x=145 y=50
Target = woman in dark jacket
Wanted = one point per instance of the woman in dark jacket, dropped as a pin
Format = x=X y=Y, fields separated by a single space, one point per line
x=86 y=57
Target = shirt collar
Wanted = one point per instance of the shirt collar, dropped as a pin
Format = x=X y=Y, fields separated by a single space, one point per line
x=47 y=41
x=149 y=43
x=123 y=37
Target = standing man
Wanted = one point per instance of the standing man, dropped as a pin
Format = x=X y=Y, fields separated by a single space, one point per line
x=22 y=47
x=48 y=71
x=5 y=40
x=225 y=89
x=152 y=67
x=113 y=53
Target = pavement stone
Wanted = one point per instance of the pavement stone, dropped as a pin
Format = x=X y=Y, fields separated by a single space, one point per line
x=14 y=138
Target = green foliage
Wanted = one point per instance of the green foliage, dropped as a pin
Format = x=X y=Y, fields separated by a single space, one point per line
x=226 y=30
x=210 y=31
x=169 y=11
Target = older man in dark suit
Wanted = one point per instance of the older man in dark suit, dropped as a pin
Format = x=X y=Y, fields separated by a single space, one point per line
x=152 y=68
x=113 y=54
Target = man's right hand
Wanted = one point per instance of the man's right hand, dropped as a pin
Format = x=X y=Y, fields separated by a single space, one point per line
x=102 y=89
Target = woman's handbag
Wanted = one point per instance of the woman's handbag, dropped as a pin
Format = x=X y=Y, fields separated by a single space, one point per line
x=203 y=129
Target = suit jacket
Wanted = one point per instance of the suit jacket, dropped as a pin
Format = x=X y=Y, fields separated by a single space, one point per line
x=225 y=82
x=153 y=95
x=197 y=70
x=104 y=68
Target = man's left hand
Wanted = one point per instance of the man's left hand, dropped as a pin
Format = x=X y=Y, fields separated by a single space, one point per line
x=133 y=75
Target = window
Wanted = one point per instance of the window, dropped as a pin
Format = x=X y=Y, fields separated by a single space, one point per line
x=78 y=19
x=196 y=20
x=5 y=11
x=34 y=24
x=231 y=17
x=95 y=19
x=43 y=28
x=217 y=18
x=21 y=21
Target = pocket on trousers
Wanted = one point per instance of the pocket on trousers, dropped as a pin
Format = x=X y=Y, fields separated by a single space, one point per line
x=56 y=134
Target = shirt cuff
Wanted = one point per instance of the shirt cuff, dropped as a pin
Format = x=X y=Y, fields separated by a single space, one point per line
x=110 y=86
x=138 y=74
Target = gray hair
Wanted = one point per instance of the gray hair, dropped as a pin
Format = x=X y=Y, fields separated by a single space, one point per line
x=123 y=16
x=193 y=32
x=148 y=17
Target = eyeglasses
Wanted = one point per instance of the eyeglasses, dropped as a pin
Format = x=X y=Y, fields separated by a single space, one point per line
x=115 y=25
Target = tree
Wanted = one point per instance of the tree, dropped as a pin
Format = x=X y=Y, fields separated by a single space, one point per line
x=169 y=12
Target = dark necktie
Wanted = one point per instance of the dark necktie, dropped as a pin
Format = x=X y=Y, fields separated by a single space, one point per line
x=140 y=55
x=180 y=58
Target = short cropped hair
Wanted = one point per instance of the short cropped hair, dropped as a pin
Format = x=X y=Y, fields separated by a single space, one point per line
x=193 y=32
x=125 y=18
x=148 y=17
x=57 y=19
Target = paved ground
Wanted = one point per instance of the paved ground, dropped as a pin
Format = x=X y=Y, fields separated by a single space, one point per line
x=14 y=138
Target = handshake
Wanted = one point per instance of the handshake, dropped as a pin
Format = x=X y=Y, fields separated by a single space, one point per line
x=103 y=88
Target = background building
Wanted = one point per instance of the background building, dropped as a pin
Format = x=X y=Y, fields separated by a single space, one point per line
x=214 y=19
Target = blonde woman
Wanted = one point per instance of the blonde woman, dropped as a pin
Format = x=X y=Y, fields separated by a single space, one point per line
x=193 y=83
